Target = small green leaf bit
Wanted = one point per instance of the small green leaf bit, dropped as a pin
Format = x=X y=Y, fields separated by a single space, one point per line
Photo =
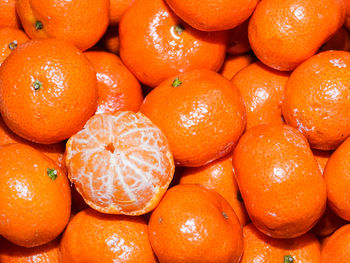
x=13 y=45
x=288 y=259
x=38 y=25
x=177 y=82
x=37 y=85
x=52 y=173
x=179 y=29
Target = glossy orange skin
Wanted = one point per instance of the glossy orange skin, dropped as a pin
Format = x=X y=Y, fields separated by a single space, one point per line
x=218 y=176
x=110 y=40
x=259 y=248
x=117 y=9
x=153 y=51
x=81 y=22
x=118 y=89
x=234 y=63
x=336 y=249
x=322 y=158
x=202 y=118
x=347 y=18
x=48 y=253
x=262 y=89
x=94 y=237
x=238 y=40
x=284 y=34
x=8 y=16
x=340 y=41
x=316 y=99
x=337 y=179
x=62 y=105
x=7 y=37
x=280 y=181
x=54 y=151
x=35 y=208
x=328 y=223
x=195 y=224
x=209 y=15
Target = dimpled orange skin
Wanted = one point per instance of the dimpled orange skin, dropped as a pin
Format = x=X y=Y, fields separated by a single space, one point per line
x=81 y=22
x=152 y=49
x=238 y=39
x=322 y=158
x=10 y=38
x=202 y=118
x=117 y=9
x=337 y=179
x=95 y=238
x=35 y=208
x=54 y=151
x=336 y=249
x=284 y=34
x=262 y=89
x=48 y=253
x=218 y=176
x=328 y=223
x=118 y=89
x=347 y=18
x=8 y=16
x=280 y=182
x=259 y=248
x=234 y=63
x=207 y=15
x=317 y=99
x=66 y=99
x=339 y=41
x=195 y=224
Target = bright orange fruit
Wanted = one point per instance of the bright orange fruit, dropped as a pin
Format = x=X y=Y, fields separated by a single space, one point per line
x=120 y=163
x=234 y=63
x=8 y=16
x=10 y=38
x=279 y=179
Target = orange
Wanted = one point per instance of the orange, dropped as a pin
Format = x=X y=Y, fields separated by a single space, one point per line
x=284 y=34
x=155 y=44
x=262 y=89
x=81 y=22
x=95 y=238
x=54 y=151
x=8 y=16
x=279 y=179
x=261 y=248
x=35 y=197
x=195 y=224
x=10 y=38
x=337 y=179
x=110 y=40
x=48 y=90
x=218 y=176
x=336 y=248
x=340 y=41
x=234 y=63
x=118 y=89
x=117 y=9
x=347 y=18
x=317 y=99
x=201 y=113
x=238 y=39
x=120 y=163
x=328 y=223
x=48 y=253
x=210 y=15
x=322 y=158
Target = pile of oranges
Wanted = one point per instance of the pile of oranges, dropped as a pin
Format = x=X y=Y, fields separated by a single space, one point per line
x=174 y=131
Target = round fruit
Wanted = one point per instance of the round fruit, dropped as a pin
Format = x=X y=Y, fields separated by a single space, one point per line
x=195 y=224
x=48 y=90
x=280 y=181
x=8 y=16
x=95 y=238
x=10 y=38
x=120 y=163
x=201 y=113
x=35 y=196
x=317 y=99
x=234 y=63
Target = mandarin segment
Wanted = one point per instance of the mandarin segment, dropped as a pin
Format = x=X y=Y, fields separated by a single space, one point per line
x=120 y=164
